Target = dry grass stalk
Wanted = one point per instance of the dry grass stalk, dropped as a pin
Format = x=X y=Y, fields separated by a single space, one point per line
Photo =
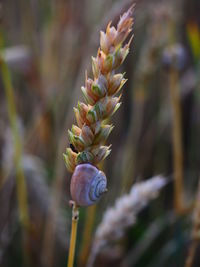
x=124 y=213
x=180 y=206
x=75 y=217
x=17 y=158
x=87 y=235
x=21 y=186
x=195 y=232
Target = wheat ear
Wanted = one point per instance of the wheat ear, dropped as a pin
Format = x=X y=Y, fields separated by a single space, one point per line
x=88 y=137
x=124 y=214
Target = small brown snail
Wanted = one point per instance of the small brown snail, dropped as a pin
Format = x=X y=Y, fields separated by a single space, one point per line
x=87 y=184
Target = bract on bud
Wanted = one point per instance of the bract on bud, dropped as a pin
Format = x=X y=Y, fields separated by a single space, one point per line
x=111 y=105
x=76 y=141
x=100 y=153
x=99 y=87
x=95 y=67
x=96 y=127
x=70 y=159
x=84 y=157
x=108 y=64
x=117 y=57
x=88 y=98
x=79 y=120
x=103 y=134
x=115 y=83
x=76 y=130
x=111 y=33
x=104 y=42
x=83 y=109
x=97 y=112
x=87 y=135
x=126 y=21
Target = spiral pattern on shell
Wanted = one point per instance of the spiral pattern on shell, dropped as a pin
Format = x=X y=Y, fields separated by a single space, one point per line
x=87 y=184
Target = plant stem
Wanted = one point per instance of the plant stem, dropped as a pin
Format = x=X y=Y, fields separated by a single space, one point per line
x=87 y=235
x=191 y=254
x=75 y=217
x=179 y=204
x=20 y=178
x=195 y=232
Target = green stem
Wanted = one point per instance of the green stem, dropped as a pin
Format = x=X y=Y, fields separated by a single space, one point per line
x=75 y=217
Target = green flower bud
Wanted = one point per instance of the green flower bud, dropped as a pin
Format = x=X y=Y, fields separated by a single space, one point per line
x=84 y=157
x=70 y=159
x=115 y=83
x=87 y=135
x=103 y=134
x=104 y=42
x=76 y=141
x=100 y=153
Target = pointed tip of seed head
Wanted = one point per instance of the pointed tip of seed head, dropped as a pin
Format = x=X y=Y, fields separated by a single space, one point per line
x=132 y=8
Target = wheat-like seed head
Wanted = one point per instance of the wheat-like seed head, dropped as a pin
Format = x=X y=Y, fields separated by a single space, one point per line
x=124 y=213
x=87 y=139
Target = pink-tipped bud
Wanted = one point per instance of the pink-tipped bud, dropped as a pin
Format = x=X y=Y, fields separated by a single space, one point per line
x=111 y=33
x=76 y=141
x=100 y=59
x=76 y=130
x=100 y=153
x=103 y=109
x=83 y=109
x=89 y=95
x=105 y=62
x=79 y=120
x=108 y=64
x=87 y=135
x=96 y=113
x=119 y=56
x=70 y=159
x=104 y=43
x=126 y=21
x=85 y=157
x=111 y=103
x=103 y=134
x=95 y=67
x=115 y=83
x=99 y=87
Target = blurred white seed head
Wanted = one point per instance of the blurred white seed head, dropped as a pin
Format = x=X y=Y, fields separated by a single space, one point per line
x=124 y=213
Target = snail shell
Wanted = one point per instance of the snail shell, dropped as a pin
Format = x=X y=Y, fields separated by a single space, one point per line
x=87 y=184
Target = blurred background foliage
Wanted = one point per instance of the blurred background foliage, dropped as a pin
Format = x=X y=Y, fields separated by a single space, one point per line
x=45 y=48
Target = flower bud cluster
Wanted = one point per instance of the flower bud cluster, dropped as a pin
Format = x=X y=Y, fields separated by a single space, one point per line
x=87 y=139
